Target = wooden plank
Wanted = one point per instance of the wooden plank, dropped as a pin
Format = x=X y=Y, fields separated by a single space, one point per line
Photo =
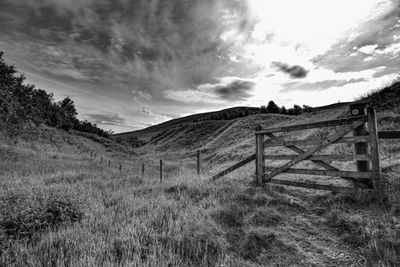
x=322 y=157
x=260 y=162
x=320 y=124
x=363 y=183
x=374 y=145
x=346 y=140
x=301 y=151
x=234 y=167
x=360 y=147
x=352 y=174
x=316 y=148
x=312 y=186
x=389 y=134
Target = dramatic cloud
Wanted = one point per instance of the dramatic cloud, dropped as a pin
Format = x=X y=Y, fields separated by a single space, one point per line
x=228 y=89
x=295 y=71
x=150 y=60
x=237 y=90
x=317 y=86
x=370 y=45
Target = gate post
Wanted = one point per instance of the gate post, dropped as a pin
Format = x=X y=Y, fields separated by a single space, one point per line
x=376 y=167
x=260 y=163
x=359 y=109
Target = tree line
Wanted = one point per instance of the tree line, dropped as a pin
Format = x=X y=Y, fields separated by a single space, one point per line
x=23 y=105
x=244 y=112
x=274 y=108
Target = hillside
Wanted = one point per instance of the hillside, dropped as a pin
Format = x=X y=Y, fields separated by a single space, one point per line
x=60 y=206
x=224 y=118
x=152 y=131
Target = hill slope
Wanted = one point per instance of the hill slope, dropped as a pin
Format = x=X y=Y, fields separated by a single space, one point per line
x=152 y=131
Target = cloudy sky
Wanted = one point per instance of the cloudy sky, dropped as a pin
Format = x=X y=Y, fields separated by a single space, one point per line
x=129 y=64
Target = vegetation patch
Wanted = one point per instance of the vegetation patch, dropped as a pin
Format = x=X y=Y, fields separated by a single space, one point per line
x=230 y=216
x=351 y=230
x=24 y=212
x=266 y=217
x=200 y=247
x=264 y=246
x=383 y=248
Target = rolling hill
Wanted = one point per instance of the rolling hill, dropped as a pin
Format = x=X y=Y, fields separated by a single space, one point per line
x=152 y=131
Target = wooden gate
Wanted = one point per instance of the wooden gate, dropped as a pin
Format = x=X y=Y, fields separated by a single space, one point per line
x=362 y=124
x=364 y=131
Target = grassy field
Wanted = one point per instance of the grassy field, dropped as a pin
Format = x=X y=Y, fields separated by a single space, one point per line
x=61 y=207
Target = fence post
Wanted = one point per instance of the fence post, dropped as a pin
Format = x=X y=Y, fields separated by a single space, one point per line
x=91 y=154
x=142 y=170
x=198 y=162
x=376 y=167
x=260 y=163
x=359 y=109
x=161 y=171
x=120 y=167
x=109 y=163
x=101 y=159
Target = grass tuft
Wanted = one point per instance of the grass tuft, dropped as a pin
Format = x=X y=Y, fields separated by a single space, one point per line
x=352 y=230
x=266 y=217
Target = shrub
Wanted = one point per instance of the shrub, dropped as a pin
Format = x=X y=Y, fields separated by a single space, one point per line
x=26 y=211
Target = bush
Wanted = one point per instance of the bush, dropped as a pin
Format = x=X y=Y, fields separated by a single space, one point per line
x=23 y=212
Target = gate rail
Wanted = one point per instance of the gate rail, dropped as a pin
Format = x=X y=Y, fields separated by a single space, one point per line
x=362 y=124
x=368 y=174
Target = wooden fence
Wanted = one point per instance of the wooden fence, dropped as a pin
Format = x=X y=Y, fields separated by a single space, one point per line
x=101 y=159
x=365 y=135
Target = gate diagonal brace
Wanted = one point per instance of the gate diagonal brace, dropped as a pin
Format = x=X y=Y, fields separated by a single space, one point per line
x=321 y=163
x=308 y=153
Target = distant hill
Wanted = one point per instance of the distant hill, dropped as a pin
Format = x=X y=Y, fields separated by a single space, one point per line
x=225 y=114
x=215 y=123
x=166 y=129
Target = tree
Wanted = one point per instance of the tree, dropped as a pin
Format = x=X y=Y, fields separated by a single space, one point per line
x=283 y=110
x=263 y=109
x=297 y=110
x=272 y=107
x=307 y=108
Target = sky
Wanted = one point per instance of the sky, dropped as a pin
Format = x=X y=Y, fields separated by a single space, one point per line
x=130 y=64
